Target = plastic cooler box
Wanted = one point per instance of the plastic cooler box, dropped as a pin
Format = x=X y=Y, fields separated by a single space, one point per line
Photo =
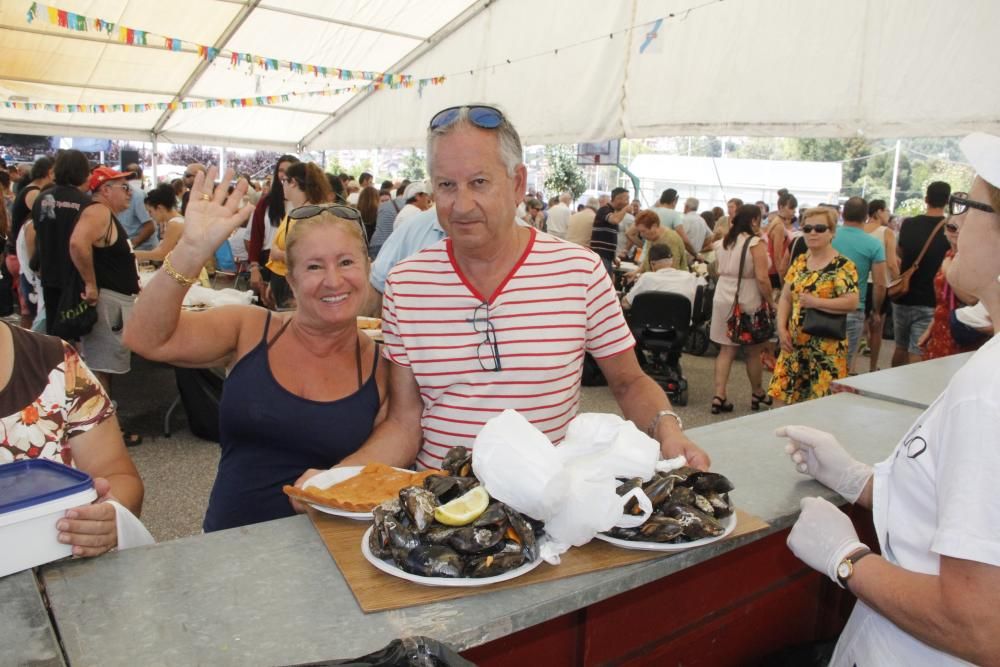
x=34 y=495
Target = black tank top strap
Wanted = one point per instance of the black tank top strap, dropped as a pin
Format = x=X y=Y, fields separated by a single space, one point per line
x=267 y=325
x=280 y=331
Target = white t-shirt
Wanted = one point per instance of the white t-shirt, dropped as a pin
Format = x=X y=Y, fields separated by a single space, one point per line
x=405 y=214
x=558 y=220
x=352 y=198
x=666 y=280
x=557 y=303
x=623 y=227
x=935 y=496
x=696 y=229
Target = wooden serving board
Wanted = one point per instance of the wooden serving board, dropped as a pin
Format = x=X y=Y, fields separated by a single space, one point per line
x=377 y=591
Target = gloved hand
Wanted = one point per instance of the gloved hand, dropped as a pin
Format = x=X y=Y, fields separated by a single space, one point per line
x=818 y=454
x=823 y=536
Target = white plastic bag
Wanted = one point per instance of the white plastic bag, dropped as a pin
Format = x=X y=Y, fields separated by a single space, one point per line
x=572 y=487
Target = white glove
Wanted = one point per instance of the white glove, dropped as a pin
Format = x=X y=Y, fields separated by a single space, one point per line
x=823 y=536
x=818 y=454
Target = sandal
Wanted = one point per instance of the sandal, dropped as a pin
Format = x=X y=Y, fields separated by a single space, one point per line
x=131 y=439
x=720 y=404
x=756 y=400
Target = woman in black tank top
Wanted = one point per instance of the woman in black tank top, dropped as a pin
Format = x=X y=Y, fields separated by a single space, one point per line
x=305 y=388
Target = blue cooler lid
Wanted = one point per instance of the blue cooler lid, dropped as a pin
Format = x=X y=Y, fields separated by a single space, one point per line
x=36 y=481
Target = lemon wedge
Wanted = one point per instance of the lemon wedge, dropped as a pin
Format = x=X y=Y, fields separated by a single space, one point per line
x=465 y=509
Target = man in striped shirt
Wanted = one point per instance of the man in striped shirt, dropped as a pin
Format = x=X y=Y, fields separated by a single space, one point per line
x=498 y=315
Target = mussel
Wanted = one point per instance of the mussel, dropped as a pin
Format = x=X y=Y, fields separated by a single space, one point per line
x=708 y=482
x=721 y=504
x=419 y=504
x=658 y=489
x=458 y=462
x=702 y=503
x=524 y=533
x=492 y=565
x=696 y=524
x=660 y=529
x=433 y=560
x=400 y=536
x=447 y=488
x=476 y=539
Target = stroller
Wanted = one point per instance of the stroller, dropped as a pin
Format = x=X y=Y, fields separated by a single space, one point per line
x=660 y=322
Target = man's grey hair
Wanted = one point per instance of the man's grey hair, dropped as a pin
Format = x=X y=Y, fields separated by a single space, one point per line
x=511 y=152
x=566 y=198
x=691 y=204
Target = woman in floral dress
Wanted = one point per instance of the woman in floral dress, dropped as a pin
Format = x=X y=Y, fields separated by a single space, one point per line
x=52 y=407
x=823 y=279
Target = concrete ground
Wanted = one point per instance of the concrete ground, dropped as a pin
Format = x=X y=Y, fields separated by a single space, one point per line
x=178 y=471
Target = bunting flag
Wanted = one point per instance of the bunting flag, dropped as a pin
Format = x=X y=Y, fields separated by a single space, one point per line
x=134 y=37
x=231 y=103
x=650 y=42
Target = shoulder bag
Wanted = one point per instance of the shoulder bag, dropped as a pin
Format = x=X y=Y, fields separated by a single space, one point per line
x=900 y=287
x=745 y=328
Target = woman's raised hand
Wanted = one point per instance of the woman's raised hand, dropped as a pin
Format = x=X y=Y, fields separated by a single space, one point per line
x=212 y=215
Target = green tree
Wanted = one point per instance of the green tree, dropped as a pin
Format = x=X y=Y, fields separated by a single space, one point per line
x=333 y=165
x=562 y=173
x=413 y=166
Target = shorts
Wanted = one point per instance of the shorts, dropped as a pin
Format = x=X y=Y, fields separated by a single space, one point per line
x=909 y=323
x=102 y=348
x=855 y=329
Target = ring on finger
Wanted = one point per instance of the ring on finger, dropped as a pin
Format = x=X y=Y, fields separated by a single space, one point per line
x=206 y=197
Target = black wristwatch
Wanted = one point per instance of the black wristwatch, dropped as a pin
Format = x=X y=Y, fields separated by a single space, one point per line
x=845 y=569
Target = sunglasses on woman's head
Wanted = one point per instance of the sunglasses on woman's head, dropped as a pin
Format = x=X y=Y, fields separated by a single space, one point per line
x=487 y=118
x=339 y=210
x=819 y=229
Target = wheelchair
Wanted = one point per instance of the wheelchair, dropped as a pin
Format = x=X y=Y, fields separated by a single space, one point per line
x=660 y=322
x=701 y=320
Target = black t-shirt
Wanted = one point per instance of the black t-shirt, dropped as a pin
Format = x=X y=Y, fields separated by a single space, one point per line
x=604 y=238
x=913 y=233
x=19 y=212
x=55 y=213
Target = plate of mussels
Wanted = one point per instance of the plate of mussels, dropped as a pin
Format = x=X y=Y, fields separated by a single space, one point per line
x=690 y=509
x=449 y=532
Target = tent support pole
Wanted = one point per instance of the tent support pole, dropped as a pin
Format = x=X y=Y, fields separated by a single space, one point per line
x=895 y=175
x=155 y=157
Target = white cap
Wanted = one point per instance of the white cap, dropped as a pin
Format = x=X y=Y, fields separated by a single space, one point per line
x=414 y=189
x=983 y=153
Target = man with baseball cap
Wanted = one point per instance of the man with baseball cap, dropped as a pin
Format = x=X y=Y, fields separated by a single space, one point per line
x=101 y=252
x=418 y=198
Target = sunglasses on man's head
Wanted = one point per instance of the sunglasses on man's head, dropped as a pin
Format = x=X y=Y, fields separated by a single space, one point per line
x=487 y=118
x=819 y=229
x=959 y=203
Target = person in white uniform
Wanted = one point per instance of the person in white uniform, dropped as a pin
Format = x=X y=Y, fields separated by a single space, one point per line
x=931 y=597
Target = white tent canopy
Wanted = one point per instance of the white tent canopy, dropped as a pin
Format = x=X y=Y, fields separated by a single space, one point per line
x=563 y=71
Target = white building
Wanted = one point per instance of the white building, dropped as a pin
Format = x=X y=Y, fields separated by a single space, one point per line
x=716 y=180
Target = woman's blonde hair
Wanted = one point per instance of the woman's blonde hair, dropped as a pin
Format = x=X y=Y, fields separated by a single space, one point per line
x=325 y=218
x=821 y=211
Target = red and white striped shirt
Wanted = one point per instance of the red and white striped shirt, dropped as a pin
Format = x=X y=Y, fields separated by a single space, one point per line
x=557 y=303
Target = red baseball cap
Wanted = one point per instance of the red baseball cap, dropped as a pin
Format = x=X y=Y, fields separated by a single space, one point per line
x=102 y=175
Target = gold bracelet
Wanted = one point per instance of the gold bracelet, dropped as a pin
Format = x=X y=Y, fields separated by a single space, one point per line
x=178 y=277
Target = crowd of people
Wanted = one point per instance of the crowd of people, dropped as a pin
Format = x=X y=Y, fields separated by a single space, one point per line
x=489 y=301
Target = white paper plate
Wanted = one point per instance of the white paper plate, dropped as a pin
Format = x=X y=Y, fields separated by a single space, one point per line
x=328 y=478
x=462 y=582
x=729 y=523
